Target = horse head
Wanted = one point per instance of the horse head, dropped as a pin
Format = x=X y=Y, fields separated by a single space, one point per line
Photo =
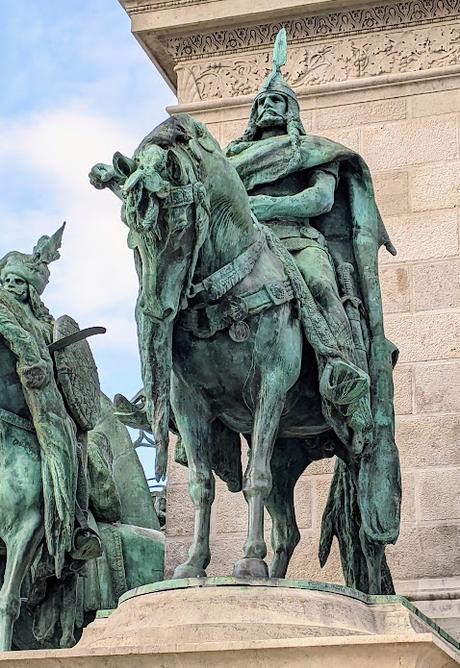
x=166 y=209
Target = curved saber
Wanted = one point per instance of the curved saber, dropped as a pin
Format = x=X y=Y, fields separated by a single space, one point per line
x=75 y=337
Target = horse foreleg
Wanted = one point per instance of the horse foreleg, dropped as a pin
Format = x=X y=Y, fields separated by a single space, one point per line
x=20 y=550
x=257 y=482
x=196 y=435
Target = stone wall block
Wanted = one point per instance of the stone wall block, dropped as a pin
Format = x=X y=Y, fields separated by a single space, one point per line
x=230 y=510
x=408 y=510
x=425 y=552
x=422 y=236
x=435 y=186
x=437 y=388
x=428 y=440
x=437 y=285
x=321 y=467
x=402 y=378
x=415 y=142
x=441 y=102
x=232 y=130
x=305 y=563
x=425 y=336
x=375 y=111
x=179 y=511
x=177 y=474
x=225 y=550
x=349 y=137
x=307 y=119
x=392 y=192
x=303 y=502
x=320 y=491
x=176 y=551
x=395 y=284
x=438 y=496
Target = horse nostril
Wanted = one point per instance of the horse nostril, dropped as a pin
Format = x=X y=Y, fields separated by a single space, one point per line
x=167 y=313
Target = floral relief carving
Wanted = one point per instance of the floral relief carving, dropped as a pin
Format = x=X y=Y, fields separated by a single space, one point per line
x=219 y=79
x=391 y=15
x=321 y=63
x=410 y=51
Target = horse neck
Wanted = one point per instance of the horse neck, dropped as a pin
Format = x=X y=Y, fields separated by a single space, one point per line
x=231 y=230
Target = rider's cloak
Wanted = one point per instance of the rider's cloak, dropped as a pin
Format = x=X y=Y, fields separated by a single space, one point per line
x=54 y=429
x=354 y=231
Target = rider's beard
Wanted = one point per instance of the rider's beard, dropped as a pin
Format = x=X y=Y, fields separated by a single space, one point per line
x=270 y=119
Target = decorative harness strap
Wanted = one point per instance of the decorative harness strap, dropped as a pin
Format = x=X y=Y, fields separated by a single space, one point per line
x=204 y=320
x=224 y=279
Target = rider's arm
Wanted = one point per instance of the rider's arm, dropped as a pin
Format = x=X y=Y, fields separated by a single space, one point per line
x=315 y=200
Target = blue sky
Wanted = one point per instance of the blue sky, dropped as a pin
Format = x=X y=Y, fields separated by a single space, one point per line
x=76 y=86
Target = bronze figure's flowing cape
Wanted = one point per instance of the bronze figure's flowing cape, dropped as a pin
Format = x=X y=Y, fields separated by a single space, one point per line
x=354 y=231
x=55 y=431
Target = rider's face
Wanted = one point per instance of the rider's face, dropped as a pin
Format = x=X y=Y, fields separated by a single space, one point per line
x=17 y=286
x=271 y=111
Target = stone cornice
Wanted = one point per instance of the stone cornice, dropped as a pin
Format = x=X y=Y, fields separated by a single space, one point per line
x=368 y=40
x=382 y=16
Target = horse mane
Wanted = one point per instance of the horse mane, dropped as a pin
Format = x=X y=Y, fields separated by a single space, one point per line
x=176 y=130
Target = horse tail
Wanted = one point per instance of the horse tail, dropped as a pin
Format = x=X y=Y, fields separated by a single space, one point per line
x=342 y=519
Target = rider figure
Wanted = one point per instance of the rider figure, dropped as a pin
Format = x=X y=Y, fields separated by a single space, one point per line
x=287 y=205
x=25 y=278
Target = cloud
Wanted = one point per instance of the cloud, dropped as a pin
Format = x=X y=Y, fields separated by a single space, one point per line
x=95 y=275
x=85 y=90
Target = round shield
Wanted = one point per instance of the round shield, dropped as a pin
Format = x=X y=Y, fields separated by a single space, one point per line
x=77 y=375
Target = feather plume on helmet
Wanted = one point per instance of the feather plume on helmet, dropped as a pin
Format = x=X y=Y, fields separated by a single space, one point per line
x=274 y=83
x=34 y=268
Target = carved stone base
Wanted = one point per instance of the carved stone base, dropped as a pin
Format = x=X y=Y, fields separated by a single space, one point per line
x=212 y=622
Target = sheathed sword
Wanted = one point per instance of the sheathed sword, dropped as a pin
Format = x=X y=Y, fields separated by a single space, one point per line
x=75 y=337
x=351 y=304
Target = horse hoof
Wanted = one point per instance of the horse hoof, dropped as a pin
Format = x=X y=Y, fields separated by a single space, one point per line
x=250 y=568
x=186 y=571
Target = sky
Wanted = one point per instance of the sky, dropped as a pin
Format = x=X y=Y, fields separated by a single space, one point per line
x=76 y=87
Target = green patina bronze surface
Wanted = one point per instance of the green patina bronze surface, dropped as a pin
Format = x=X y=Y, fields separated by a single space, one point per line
x=73 y=497
x=259 y=313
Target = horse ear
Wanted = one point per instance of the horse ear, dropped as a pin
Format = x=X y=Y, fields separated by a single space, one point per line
x=174 y=169
x=123 y=165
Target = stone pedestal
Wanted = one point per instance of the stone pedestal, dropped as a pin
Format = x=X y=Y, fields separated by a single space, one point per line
x=383 y=78
x=217 y=622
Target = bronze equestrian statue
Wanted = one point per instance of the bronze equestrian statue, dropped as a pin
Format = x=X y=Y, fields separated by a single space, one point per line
x=259 y=313
x=73 y=498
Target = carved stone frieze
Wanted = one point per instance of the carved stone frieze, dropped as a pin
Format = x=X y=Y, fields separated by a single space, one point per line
x=390 y=15
x=145 y=7
x=334 y=60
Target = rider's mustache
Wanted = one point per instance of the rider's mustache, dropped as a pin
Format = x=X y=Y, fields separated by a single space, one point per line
x=271 y=111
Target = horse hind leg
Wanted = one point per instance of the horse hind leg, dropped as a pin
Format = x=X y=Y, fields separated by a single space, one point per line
x=20 y=550
x=289 y=461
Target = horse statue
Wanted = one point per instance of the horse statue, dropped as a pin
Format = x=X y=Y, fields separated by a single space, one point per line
x=231 y=339
x=66 y=510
